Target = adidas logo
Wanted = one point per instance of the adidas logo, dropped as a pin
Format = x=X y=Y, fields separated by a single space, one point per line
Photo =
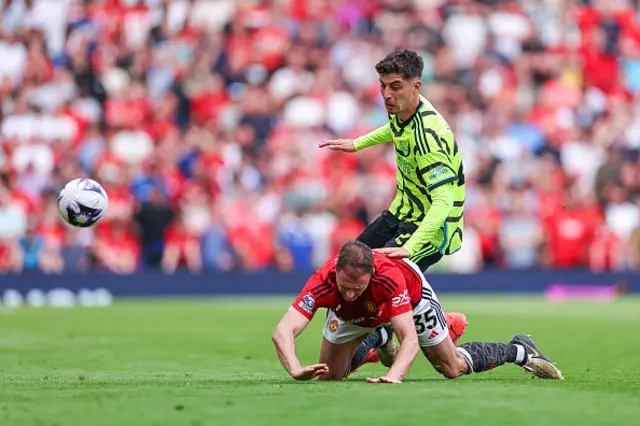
x=433 y=334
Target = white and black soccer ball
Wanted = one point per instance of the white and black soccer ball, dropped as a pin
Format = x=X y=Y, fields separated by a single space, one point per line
x=83 y=202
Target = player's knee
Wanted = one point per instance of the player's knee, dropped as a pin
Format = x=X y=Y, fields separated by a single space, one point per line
x=450 y=373
x=330 y=377
x=449 y=369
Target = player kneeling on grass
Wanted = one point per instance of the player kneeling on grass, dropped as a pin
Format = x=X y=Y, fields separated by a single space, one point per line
x=363 y=291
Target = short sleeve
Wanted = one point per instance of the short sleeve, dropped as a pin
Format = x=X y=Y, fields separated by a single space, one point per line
x=400 y=301
x=317 y=293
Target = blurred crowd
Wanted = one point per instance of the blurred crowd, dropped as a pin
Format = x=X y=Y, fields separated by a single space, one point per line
x=201 y=119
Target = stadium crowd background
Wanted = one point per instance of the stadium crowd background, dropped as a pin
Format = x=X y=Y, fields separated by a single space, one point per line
x=202 y=118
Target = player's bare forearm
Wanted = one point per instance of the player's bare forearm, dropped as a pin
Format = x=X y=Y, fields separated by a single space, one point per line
x=290 y=327
x=285 y=347
x=404 y=328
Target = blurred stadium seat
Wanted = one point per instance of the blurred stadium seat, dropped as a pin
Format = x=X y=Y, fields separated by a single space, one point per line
x=201 y=119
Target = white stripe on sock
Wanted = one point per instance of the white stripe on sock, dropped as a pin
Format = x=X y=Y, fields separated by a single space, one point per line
x=467 y=357
x=384 y=335
x=521 y=354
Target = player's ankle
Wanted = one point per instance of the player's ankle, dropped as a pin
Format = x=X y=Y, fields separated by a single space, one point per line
x=383 y=335
x=521 y=355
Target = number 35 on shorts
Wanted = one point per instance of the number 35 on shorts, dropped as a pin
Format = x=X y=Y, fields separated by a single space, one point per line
x=425 y=321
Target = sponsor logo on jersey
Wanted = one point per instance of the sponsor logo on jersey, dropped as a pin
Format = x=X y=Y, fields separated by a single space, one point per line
x=371 y=307
x=333 y=326
x=405 y=167
x=356 y=320
x=307 y=303
x=401 y=300
x=433 y=334
x=439 y=172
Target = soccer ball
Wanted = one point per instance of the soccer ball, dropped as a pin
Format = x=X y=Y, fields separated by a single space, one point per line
x=83 y=203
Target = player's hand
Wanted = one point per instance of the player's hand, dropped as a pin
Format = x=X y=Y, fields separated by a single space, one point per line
x=344 y=145
x=310 y=372
x=395 y=252
x=384 y=379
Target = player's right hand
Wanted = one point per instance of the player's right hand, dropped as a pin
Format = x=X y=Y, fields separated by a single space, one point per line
x=344 y=145
x=384 y=379
x=310 y=372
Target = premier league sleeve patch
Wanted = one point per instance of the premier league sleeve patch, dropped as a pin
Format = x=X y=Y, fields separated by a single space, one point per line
x=307 y=303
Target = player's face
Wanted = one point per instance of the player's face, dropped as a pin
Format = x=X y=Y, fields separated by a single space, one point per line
x=351 y=288
x=399 y=93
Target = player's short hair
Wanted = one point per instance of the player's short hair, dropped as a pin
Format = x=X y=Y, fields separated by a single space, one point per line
x=405 y=62
x=355 y=258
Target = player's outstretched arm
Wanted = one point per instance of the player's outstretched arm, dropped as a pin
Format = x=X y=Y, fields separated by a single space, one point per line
x=405 y=329
x=344 y=145
x=290 y=327
x=379 y=136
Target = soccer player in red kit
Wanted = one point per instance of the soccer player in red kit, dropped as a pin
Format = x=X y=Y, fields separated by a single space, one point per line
x=363 y=290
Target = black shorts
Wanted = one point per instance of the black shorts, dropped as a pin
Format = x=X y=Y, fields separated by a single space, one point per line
x=388 y=231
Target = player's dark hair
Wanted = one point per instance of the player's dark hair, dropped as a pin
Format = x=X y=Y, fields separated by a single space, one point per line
x=355 y=258
x=405 y=62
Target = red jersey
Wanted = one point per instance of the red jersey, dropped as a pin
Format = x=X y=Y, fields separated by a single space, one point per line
x=395 y=288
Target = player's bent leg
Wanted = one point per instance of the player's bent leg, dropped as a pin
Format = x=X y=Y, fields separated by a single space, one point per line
x=446 y=359
x=429 y=316
x=434 y=337
x=337 y=356
x=484 y=356
x=377 y=346
x=438 y=347
x=339 y=344
x=475 y=357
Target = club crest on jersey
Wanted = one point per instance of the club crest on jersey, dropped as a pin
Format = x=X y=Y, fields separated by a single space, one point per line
x=371 y=307
x=402 y=147
x=307 y=303
x=401 y=300
x=333 y=326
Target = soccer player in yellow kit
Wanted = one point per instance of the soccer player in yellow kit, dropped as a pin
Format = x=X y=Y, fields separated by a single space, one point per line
x=425 y=220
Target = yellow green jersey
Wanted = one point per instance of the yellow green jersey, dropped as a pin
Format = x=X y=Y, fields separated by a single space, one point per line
x=429 y=162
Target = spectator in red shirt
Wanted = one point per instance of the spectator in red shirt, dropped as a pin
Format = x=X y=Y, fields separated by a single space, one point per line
x=569 y=233
x=117 y=249
x=181 y=247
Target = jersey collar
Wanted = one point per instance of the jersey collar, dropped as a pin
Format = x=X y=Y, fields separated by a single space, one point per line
x=403 y=124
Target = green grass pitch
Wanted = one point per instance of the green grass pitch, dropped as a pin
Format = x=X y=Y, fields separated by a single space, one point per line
x=211 y=362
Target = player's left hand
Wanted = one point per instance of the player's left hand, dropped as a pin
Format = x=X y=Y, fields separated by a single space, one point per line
x=395 y=252
x=344 y=145
x=384 y=379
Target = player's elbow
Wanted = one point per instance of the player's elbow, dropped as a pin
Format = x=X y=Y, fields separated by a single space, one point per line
x=410 y=342
x=278 y=335
x=282 y=333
